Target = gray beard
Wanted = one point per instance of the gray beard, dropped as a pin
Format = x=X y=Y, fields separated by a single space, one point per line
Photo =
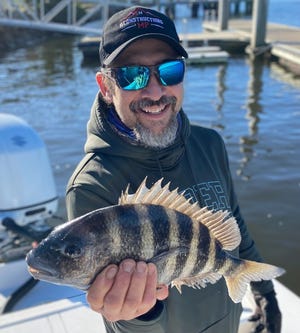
x=162 y=140
x=144 y=136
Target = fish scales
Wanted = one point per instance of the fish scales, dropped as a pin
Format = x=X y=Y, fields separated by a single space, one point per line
x=147 y=233
x=187 y=232
x=160 y=227
x=136 y=233
x=107 y=233
x=114 y=242
x=203 y=249
x=169 y=230
x=166 y=229
x=211 y=255
x=180 y=236
x=194 y=251
x=130 y=232
x=188 y=244
x=220 y=257
x=167 y=264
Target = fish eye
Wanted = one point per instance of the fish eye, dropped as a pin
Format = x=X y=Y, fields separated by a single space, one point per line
x=72 y=251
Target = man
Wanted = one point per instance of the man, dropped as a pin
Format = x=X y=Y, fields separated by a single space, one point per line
x=137 y=129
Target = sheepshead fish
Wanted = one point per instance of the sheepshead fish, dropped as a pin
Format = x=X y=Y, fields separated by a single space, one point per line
x=188 y=244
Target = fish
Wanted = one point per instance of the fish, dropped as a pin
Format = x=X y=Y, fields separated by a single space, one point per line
x=190 y=245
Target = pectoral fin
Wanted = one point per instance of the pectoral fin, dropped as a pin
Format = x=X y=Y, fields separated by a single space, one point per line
x=169 y=263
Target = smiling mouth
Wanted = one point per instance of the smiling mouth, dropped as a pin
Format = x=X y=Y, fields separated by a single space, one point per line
x=150 y=107
x=154 y=110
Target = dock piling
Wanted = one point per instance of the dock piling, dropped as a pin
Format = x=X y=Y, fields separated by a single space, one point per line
x=223 y=14
x=259 y=28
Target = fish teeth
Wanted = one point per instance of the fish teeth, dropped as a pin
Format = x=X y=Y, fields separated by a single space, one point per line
x=33 y=270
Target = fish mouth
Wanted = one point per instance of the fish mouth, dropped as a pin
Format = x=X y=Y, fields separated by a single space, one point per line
x=52 y=277
x=37 y=269
x=40 y=272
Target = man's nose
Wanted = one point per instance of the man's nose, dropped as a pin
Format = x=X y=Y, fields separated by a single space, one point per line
x=154 y=88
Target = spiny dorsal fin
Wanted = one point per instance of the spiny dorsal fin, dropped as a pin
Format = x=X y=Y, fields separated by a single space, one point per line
x=224 y=228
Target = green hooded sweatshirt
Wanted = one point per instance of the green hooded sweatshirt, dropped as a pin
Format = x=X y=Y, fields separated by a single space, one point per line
x=196 y=163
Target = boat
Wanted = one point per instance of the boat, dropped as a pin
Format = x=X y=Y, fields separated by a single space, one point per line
x=28 y=305
x=89 y=46
x=206 y=55
x=28 y=195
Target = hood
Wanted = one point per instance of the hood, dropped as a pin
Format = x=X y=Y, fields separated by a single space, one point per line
x=102 y=139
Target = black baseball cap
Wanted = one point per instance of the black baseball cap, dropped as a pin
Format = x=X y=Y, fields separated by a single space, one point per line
x=130 y=24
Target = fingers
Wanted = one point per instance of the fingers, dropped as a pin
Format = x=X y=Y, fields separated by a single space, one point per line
x=127 y=291
x=135 y=303
x=100 y=287
x=162 y=292
x=115 y=298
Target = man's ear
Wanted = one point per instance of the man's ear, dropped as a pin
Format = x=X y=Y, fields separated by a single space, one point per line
x=106 y=94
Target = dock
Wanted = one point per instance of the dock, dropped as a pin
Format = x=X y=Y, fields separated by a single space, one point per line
x=282 y=41
x=71 y=16
x=198 y=54
x=234 y=36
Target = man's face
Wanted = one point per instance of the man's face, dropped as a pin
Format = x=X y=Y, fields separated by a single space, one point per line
x=151 y=111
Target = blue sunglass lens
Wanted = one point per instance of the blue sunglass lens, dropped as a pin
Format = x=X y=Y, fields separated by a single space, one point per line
x=171 y=72
x=133 y=78
x=137 y=77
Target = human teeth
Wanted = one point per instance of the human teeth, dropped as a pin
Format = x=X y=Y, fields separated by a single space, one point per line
x=153 y=110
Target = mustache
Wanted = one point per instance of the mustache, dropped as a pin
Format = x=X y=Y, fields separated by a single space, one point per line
x=147 y=102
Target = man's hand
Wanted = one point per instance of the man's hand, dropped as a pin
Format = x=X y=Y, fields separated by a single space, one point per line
x=267 y=316
x=126 y=291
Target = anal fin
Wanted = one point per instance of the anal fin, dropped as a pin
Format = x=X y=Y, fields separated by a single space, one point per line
x=198 y=281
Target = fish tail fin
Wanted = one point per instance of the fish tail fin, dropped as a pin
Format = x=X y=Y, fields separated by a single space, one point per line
x=238 y=281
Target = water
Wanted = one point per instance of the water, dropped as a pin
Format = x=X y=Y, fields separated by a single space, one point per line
x=284 y=12
x=255 y=107
x=279 y=11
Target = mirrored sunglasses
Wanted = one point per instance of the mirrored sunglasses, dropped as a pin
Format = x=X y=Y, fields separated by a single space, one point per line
x=169 y=73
